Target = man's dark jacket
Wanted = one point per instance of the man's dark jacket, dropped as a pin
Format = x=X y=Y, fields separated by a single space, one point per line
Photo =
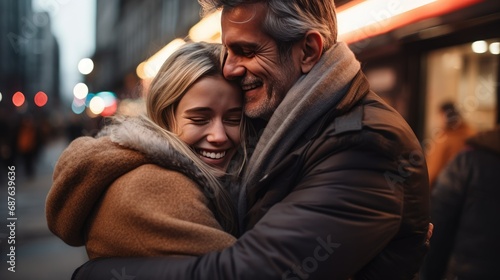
x=350 y=200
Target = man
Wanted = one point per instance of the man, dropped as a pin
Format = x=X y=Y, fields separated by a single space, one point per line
x=337 y=186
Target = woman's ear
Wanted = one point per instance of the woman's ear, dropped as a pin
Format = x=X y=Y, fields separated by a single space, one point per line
x=312 y=49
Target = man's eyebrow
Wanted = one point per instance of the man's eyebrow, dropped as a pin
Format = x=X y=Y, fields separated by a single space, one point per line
x=240 y=44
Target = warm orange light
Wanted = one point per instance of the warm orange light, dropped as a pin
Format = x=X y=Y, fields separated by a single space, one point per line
x=18 y=99
x=41 y=99
x=208 y=29
x=148 y=69
x=361 y=19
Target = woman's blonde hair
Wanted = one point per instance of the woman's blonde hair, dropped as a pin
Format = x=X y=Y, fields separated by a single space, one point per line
x=180 y=71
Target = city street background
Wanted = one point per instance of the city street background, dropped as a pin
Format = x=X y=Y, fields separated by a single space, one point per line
x=39 y=254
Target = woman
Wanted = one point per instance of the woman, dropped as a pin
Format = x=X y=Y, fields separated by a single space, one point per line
x=151 y=186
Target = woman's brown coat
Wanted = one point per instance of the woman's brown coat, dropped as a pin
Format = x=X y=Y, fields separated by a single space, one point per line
x=126 y=199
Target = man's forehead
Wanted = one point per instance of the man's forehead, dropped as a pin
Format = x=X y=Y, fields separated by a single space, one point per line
x=240 y=14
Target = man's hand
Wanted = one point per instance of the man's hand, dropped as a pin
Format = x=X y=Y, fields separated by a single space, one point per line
x=429 y=234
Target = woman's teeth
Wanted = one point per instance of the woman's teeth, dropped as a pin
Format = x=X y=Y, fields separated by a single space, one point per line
x=212 y=155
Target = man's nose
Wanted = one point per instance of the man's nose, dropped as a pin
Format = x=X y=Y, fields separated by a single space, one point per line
x=217 y=133
x=233 y=68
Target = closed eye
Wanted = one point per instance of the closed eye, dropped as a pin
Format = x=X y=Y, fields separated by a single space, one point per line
x=248 y=54
x=233 y=121
x=246 y=50
x=198 y=121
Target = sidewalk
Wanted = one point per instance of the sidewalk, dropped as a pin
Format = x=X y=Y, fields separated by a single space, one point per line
x=39 y=255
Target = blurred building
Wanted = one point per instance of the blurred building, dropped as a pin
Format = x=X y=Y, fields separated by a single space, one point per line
x=29 y=56
x=29 y=72
x=46 y=63
x=130 y=31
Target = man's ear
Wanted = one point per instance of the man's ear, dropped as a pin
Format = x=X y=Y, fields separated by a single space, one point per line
x=312 y=49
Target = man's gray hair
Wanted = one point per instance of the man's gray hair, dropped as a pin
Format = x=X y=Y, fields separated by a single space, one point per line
x=287 y=21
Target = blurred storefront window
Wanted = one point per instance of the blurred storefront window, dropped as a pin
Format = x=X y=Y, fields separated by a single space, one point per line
x=467 y=76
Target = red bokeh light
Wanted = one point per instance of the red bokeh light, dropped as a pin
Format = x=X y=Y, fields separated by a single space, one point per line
x=18 y=99
x=109 y=110
x=41 y=99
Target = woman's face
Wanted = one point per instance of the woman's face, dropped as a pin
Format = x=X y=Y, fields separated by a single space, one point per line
x=208 y=119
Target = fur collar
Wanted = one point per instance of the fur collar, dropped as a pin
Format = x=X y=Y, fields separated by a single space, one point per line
x=138 y=134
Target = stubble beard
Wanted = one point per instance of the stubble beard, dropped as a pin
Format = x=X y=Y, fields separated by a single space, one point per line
x=276 y=90
x=264 y=108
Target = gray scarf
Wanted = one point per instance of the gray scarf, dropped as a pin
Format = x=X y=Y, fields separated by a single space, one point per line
x=310 y=98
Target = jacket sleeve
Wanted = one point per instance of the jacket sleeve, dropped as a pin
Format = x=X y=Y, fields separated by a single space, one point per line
x=341 y=215
x=84 y=171
x=152 y=211
x=448 y=198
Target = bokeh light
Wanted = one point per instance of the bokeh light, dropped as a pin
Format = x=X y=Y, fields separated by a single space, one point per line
x=102 y=103
x=78 y=106
x=85 y=66
x=97 y=105
x=480 y=46
x=80 y=91
x=88 y=98
x=1 y=97
x=110 y=105
x=141 y=72
x=41 y=99
x=90 y=114
x=495 y=48
x=154 y=63
x=108 y=97
x=109 y=110
x=18 y=99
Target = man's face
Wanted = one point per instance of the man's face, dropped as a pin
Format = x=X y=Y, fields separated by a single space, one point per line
x=253 y=59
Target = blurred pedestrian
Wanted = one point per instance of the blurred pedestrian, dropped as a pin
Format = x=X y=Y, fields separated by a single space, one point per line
x=454 y=130
x=465 y=208
x=28 y=144
x=151 y=186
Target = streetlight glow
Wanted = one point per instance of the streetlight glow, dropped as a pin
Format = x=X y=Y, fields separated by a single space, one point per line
x=480 y=46
x=97 y=105
x=85 y=66
x=80 y=91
